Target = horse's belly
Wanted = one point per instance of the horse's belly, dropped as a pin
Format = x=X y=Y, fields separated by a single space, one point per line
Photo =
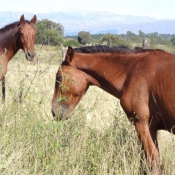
x=165 y=114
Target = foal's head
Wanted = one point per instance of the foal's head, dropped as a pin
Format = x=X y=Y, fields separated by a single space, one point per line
x=26 y=38
x=70 y=86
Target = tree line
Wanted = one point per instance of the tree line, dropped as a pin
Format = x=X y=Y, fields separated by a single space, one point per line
x=52 y=33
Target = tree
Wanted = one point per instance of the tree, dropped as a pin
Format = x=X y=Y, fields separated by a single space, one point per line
x=129 y=33
x=71 y=42
x=109 y=39
x=142 y=34
x=84 y=37
x=113 y=40
x=49 y=33
x=173 y=39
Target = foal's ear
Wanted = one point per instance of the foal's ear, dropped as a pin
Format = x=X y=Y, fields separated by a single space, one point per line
x=22 y=19
x=69 y=54
x=33 y=20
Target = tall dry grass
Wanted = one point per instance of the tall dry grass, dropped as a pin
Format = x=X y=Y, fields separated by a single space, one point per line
x=96 y=140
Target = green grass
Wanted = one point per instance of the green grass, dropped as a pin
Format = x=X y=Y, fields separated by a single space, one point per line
x=96 y=140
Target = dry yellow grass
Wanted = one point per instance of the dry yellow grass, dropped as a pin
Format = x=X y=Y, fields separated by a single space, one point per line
x=98 y=139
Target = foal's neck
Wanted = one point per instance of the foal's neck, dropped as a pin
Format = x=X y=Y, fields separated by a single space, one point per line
x=109 y=70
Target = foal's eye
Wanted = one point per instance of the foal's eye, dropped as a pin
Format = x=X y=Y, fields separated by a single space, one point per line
x=21 y=34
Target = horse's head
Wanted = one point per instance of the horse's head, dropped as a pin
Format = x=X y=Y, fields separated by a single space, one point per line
x=70 y=86
x=27 y=33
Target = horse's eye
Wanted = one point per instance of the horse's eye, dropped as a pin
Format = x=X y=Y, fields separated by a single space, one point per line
x=21 y=34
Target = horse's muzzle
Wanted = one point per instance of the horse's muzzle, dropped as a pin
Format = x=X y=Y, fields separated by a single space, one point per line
x=57 y=117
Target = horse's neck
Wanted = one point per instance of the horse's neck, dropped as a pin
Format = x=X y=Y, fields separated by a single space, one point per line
x=109 y=72
x=7 y=53
x=8 y=44
x=8 y=48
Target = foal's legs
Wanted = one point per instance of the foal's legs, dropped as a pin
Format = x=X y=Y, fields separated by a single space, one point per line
x=146 y=130
x=148 y=137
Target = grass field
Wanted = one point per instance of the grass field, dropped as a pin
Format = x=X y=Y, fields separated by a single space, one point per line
x=96 y=140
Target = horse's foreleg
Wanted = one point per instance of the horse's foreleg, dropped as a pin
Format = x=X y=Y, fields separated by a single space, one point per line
x=3 y=90
x=138 y=113
x=148 y=138
x=3 y=71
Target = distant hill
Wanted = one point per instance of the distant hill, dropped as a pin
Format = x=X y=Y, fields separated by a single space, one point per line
x=98 y=22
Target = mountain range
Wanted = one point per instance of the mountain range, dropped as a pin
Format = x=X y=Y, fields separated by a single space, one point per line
x=97 y=22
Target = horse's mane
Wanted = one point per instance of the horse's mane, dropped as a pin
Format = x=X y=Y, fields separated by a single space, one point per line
x=9 y=26
x=7 y=34
x=108 y=49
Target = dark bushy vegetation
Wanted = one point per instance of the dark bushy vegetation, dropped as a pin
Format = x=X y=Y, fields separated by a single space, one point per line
x=84 y=37
x=71 y=42
x=51 y=33
x=129 y=37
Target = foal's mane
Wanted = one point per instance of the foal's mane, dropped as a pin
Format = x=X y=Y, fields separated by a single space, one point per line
x=114 y=49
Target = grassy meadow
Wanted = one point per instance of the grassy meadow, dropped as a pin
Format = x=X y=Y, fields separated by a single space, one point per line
x=96 y=140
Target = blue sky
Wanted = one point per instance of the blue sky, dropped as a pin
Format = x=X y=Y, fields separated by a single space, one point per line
x=154 y=8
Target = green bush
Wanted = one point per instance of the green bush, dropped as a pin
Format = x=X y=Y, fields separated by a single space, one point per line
x=72 y=43
x=49 y=33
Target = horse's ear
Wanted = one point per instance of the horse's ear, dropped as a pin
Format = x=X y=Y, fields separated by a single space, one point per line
x=22 y=19
x=69 y=54
x=33 y=20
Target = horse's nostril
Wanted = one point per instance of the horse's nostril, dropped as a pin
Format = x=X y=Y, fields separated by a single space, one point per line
x=28 y=54
x=53 y=113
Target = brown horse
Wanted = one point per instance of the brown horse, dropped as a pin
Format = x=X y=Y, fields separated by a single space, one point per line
x=143 y=80
x=15 y=36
